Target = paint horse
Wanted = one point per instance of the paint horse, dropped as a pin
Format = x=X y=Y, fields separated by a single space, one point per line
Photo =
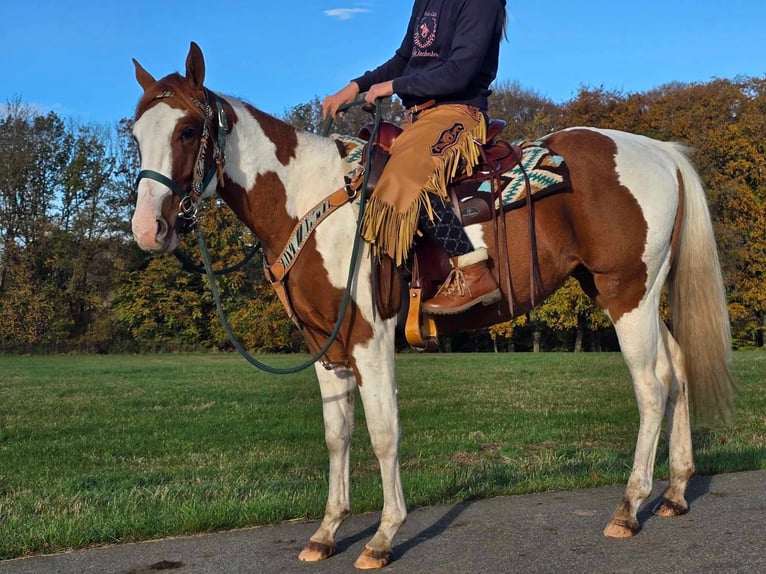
x=635 y=216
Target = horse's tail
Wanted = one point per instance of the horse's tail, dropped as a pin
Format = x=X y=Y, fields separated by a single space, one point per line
x=698 y=301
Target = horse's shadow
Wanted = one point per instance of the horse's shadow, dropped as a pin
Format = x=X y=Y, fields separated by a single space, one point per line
x=698 y=487
x=349 y=541
x=432 y=531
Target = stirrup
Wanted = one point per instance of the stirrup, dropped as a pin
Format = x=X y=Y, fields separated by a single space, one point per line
x=420 y=329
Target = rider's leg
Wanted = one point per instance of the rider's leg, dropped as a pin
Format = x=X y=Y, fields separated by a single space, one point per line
x=470 y=282
x=424 y=158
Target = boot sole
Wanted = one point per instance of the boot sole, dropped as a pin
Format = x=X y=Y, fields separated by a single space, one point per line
x=487 y=299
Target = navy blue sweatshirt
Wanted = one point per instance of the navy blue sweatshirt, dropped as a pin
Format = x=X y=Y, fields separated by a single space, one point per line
x=449 y=53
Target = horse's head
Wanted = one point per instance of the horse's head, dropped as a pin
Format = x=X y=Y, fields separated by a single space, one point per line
x=180 y=129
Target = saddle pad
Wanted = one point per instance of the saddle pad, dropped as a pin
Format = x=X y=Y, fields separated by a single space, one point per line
x=351 y=150
x=547 y=174
x=547 y=171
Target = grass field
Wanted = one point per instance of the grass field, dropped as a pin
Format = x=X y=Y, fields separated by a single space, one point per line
x=102 y=449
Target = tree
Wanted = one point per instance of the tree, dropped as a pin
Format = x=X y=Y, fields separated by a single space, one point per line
x=32 y=147
x=569 y=309
x=254 y=311
x=308 y=117
x=62 y=253
x=25 y=308
x=529 y=115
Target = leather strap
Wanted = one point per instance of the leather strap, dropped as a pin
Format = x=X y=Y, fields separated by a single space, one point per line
x=277 y=272
x=535 y=284
x=501 y=235
x=303 y=230
x=500 y=232
x=421 y=107
x=281 y=290
x=412 y=113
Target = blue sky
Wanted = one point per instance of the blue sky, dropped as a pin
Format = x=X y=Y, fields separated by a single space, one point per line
x=75 y=57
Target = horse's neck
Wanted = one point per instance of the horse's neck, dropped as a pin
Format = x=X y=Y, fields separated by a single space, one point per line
x=279 y=174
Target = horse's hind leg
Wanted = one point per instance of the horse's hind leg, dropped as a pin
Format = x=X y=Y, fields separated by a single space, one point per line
x=337 y=389
x=639 y=334
x=673 y=502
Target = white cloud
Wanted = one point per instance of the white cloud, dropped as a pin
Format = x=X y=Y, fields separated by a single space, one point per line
x=344 y=13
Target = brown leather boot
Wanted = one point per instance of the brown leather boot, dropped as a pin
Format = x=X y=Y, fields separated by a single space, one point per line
x=469 y=283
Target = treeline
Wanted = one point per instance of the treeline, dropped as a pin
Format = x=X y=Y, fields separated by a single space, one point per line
x=71 y=278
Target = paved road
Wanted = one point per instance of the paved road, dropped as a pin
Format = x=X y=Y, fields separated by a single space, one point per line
x=725 y=532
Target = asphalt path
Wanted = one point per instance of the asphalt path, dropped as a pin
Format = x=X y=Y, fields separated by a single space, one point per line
x=724 y=532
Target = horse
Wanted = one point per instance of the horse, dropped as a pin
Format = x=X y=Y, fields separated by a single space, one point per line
x=634 y=219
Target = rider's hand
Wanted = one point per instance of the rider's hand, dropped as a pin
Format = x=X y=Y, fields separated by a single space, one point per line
x=382 y=90
x=331 y=103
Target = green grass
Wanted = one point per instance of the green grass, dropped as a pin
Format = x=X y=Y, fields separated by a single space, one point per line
x=100 y=449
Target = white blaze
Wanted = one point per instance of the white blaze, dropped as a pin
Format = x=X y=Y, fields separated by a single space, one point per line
x=153 y=132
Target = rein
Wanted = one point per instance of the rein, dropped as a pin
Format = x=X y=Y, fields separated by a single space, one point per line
x=191 y=267
x=189 y=204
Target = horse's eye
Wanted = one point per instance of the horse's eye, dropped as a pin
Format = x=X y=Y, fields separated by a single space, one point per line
x=187 y=134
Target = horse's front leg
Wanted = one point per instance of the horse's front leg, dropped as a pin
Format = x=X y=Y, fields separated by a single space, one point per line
x=337 y=387
x=379 y=396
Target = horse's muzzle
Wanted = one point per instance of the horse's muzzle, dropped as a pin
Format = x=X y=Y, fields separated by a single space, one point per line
x=157 y=236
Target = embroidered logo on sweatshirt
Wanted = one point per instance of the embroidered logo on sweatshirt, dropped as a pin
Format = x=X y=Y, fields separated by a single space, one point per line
x=447 y=139
x=425 y=36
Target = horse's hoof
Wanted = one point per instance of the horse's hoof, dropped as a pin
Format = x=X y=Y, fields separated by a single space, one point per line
x=372 y=559
x=667 y=508
x=316 y=551
x=621 y=529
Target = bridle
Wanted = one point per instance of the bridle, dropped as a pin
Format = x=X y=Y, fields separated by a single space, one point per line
x=187 y=214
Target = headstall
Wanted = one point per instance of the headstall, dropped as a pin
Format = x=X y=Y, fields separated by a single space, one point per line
x=187 y=213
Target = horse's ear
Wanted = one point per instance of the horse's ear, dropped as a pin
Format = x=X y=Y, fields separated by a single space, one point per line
x=144 y=78
x=195 y=66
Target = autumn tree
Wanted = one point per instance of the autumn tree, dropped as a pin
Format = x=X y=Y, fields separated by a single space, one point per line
x=722 y=122
x=570 y=310
x=308 y=117
x=59 y=252
x=166 y=306
x=33 y=148
x=254 y=311
x=529 y=116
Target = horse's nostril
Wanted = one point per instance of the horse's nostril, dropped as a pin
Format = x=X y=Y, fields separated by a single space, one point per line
x=162 y=229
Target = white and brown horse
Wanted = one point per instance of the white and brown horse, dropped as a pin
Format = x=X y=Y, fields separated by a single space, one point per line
x=636 y=217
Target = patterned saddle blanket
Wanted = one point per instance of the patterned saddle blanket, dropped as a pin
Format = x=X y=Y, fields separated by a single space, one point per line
x=547 y=173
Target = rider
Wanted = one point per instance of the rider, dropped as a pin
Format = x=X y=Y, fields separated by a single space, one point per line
x=441 y=72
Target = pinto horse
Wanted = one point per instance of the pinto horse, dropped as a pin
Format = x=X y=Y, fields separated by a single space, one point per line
x=634 y=218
